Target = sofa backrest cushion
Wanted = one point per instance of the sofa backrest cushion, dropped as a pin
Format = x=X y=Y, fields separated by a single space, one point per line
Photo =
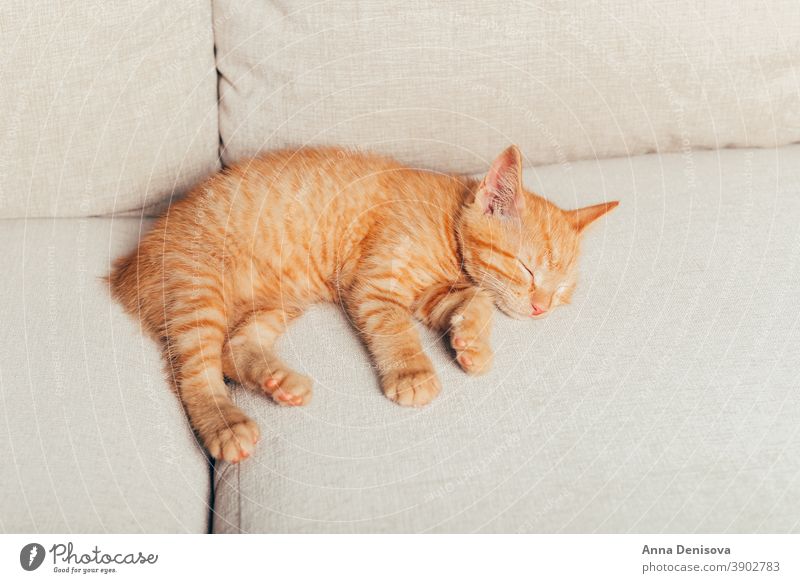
x=104 y=106
x=449 y=84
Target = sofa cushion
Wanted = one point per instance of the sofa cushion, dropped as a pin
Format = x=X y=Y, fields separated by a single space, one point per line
x=448 y=85
x=91 y=436
x=106 y=107
x=664 y=399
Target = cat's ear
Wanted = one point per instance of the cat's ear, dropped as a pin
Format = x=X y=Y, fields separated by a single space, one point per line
x=583 y=217
x=500 y=194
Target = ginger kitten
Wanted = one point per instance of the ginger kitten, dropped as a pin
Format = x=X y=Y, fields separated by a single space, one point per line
x=224 y=271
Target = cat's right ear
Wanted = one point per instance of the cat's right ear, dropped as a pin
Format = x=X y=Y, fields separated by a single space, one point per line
x=583 y=217
x=500 y=194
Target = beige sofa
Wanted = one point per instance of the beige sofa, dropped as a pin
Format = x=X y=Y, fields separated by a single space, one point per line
x=663 y=400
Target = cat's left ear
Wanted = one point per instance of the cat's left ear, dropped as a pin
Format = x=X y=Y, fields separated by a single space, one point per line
x=500 y=194
x=583 y=217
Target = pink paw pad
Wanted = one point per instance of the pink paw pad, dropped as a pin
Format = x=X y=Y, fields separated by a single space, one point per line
x=287 y=398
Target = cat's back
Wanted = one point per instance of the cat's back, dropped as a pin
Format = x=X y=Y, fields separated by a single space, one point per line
x=314 y=177
x=339 y=205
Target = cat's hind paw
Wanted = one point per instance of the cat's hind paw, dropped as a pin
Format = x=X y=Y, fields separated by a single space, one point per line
x=288 y=388
x=234 y=439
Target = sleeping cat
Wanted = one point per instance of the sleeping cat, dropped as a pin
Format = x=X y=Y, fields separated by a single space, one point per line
x=224 y=271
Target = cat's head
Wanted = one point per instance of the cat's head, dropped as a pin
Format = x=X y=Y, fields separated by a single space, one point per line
x=518 y=246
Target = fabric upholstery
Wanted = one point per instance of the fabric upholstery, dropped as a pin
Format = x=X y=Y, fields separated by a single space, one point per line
x=664 y=399
x=447 y=85
x=106 y=107
x=91 y=437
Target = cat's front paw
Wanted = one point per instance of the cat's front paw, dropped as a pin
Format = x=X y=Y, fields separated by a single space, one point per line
x=287 y=387
x=232 y=437
x=472 y=351
x=413 y=385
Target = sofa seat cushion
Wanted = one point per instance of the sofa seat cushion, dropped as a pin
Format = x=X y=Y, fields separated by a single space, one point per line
x=664 y=399
x=92 y=438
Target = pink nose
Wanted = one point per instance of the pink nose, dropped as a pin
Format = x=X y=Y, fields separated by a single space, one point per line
x=537 y=310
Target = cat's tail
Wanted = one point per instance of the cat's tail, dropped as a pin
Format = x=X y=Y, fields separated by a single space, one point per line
x=132 y=283
x=121 y=281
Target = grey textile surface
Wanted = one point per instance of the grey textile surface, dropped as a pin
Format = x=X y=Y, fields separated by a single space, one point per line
x=91 y=436
x=447 y=85
x=105 y=106
x=665 y=399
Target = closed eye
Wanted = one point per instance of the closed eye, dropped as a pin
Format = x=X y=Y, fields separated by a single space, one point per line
x=525 y=267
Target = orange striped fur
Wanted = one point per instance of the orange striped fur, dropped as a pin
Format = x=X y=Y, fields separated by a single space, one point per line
x=225 y=270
